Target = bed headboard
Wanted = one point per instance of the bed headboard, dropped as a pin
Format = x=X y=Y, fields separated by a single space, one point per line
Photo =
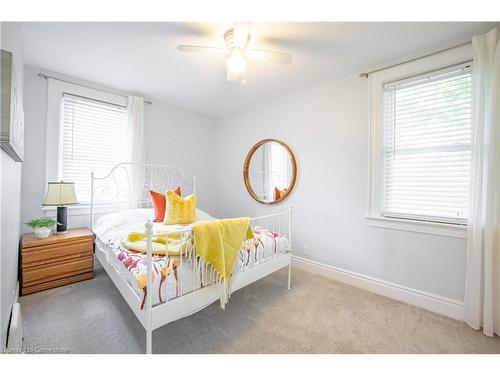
x=127 y=186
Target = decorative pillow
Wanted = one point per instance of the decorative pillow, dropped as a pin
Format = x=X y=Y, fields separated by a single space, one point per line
x=278 y=193
x=180 y=210
x=159 y=201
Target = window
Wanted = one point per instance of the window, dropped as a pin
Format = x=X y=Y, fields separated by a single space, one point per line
x=86 y=131
x=420 y=144
x=277 y=162
x=427 y=135
x=94 y=136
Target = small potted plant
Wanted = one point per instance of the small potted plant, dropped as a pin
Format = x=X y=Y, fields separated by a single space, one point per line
x=42 y=226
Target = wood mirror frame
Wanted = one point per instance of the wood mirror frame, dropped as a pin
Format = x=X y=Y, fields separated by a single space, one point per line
x=246 y=167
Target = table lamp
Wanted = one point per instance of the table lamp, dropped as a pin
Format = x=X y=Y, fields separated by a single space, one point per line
x=61 y=194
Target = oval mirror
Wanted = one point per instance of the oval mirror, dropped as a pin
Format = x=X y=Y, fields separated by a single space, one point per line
x=270 y=171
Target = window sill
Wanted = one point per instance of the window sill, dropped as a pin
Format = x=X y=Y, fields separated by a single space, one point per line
x=436 y=229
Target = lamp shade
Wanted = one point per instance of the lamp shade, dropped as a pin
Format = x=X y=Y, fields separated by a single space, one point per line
x=60 y=194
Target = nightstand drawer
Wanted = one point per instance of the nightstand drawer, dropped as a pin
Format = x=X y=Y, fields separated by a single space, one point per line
x=56 y=260
x=56 y=283
x=50 y=272
x=56 y=252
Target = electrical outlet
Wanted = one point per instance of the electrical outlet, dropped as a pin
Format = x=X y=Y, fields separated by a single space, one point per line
x=306 y=250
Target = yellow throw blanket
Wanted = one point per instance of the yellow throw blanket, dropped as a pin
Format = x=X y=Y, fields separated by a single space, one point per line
x=218 y=243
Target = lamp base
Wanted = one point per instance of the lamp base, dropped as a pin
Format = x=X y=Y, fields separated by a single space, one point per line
x=62 y=220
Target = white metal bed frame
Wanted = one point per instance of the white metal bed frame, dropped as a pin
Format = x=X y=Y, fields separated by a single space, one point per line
x=127 y=186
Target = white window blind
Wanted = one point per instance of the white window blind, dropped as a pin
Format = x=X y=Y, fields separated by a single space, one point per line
x=427 y=136
x=94 y=137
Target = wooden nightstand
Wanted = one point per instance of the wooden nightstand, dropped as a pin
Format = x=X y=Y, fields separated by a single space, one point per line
x=57 y=260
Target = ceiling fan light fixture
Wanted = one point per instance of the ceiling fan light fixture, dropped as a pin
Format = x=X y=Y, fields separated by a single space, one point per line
x=237 y=51
x=236 y=65
x=236 y=39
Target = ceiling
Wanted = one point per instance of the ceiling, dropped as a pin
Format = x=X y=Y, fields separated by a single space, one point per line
x=142 y=57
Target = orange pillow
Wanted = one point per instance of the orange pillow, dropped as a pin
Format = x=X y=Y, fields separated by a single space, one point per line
x=278 y=194
x=159 y=201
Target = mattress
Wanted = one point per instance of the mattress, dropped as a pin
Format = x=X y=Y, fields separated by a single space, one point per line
x=173 y=276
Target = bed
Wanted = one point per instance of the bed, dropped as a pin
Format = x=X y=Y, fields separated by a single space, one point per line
x=161 y=288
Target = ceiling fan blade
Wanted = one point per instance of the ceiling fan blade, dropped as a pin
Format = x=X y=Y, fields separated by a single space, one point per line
x=269 y=56
x=195 y=48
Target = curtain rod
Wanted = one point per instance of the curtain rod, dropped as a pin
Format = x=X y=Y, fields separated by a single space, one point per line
x=45 y=76
x=365 y=75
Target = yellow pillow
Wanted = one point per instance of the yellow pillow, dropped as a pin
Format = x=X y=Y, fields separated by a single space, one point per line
x=180 y=210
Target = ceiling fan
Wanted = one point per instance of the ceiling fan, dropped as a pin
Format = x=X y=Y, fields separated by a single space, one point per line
x=237 y=40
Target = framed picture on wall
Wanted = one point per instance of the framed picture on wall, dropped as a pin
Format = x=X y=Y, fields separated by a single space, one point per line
x=12 y=114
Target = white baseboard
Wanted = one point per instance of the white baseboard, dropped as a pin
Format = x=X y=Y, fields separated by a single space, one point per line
x=438 y=304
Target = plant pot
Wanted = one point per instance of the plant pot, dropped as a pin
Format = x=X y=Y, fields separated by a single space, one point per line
x=42 y=232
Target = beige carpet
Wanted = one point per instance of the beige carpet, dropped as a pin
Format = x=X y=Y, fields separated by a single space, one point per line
x=317 y=316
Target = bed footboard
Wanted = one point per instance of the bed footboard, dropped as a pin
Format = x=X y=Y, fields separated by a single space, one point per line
x=276 y=223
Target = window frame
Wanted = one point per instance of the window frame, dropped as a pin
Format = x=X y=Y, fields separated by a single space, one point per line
x=377 y=81
x=55 y=91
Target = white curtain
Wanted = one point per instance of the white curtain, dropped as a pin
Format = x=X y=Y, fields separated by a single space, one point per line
x=136 y=150
x=482 y=284
x=135 y=112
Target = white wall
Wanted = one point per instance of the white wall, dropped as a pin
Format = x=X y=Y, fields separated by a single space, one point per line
x=183 y=138
x=174 y=136
x=33 y=179
x=327 y=126
x=10 y=195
